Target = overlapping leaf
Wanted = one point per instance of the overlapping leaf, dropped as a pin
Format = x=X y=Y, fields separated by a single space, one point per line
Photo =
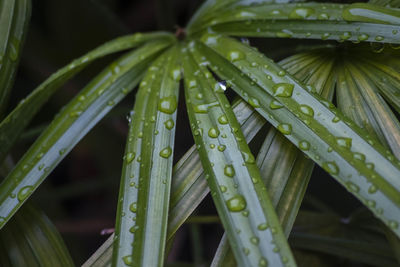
x=73 y=122
x=312 y=124
x=14 y=19
x=146 y=179
x=341 y=22
x=241 y=200
x=12 y=126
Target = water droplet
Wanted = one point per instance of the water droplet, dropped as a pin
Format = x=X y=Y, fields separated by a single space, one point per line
x=325 y=36
x=275 y=105
x=323 y=16
x=344 y=142
x=283 y=89
x=359 y=156
x=167 y=104
x=81 y=98
x=372 y=189
x=169 y=124
x=352 y=187
x=229 y=171
x=262 y=226
x=263 y=262
x=176 y=74
x=254 y=102
x=130 y=157
x=248 y=158
x=166 y=152
x=41 y=166
x=393 y=224
x=236 y=55
x=133 y=207
x=213 y=132
x=304 y=145
x=236 y=203
x=75 y=113
x=285 y=33
x=223 y=188
x=128 y=260
x=223 y=119
x=221 y=148
x=246 y=251
x=301 y=13
x=362 y=37
x=379 y=38
x=24 y=192
x=345 y=36
x=330 y=167
x=335 y=119
x=255 y=240
x=62 y=151
x=371 y=203
x=307 y=110
x=285 y=128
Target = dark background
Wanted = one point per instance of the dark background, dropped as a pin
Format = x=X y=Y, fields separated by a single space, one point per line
x=80 y=196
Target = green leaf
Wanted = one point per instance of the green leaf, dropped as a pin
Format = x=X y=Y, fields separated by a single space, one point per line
x=309 y=20
x=12 y=126
x=360 y=164
x=189 y=186
x=72 y=124
x=30 y=239
x=14 y=19
x=234 y=180
x=284 y=169
x=103 y=255
x=146 y=177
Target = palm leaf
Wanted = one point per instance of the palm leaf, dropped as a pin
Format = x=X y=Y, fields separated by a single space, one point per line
x=30 y=239
x=14 y=19
x=327 y=137
x=16 y=121
x=243 y=204
x=72 y=123
x=142 y=214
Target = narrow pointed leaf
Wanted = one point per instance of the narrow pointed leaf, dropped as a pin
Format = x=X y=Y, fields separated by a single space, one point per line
x=189 y=186
x=30 y=239
x=72 y=124
x=146 y=179
x=360 y=164
x=103 y=255
x=14 y=19
x=309 y=20
x=12 y=126
x=233 y=178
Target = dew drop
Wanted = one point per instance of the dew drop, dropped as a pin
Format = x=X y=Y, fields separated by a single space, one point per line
x=223 y=119
x=362 y=37
x=166 y=152
x=213 y=132
x=221 y=148
x=167 y=104
x=223 y=188
x=176 y=74
x=169 y=124
x=236 y=203
x=344 y=142
x=301 y=13
x=330 y=167
x=393 y=224
x=283 y=89
x=372 y=189
x=263 y=262
x=262 y=226
x=24 y=192
x=275 y=105
x=133 y=207
x=128 y=260
x=229 y=171
x=285 y=128
x=304 y=145
x=254 y=102
x=307 y=110
x=236 y=55
x=352 y=187
x=359 y=156
x=248 y=158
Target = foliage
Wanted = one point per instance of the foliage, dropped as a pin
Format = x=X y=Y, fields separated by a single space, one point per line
x=356 y=141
